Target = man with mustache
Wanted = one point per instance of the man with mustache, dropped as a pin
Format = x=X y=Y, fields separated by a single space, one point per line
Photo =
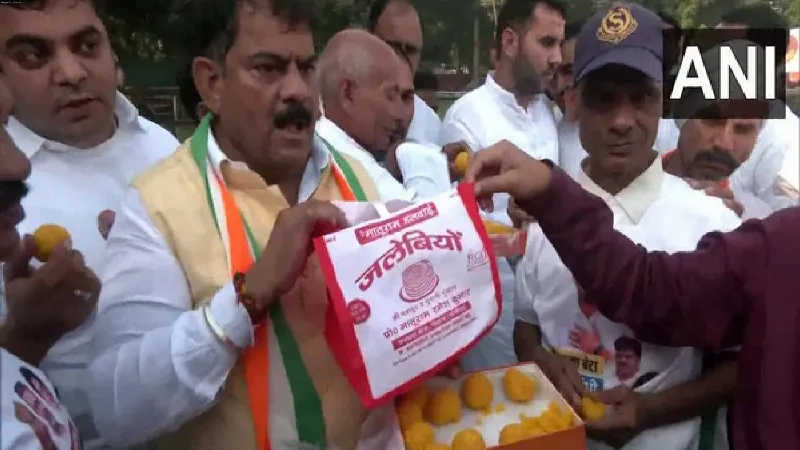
x=769 y=179
x=397 y=23
x=710 y=151
x=85 y=142
x=618 y=75
x=43 y=305
x=718 y=139
x=367 y=110
x=511 y=105
x=210 y=330
x=735 y=288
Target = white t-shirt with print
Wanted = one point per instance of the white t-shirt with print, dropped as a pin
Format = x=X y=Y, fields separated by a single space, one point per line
x=660 y=212
x=33 y=417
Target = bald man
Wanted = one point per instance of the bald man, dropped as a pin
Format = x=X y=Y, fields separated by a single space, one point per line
x=365 y=113
x=397 y=23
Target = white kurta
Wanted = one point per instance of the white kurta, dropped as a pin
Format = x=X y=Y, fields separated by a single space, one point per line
x=660 y=212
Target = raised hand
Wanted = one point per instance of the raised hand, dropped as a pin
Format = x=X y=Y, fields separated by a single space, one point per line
x=278 y=268
x=48 y=302
x=503 y=167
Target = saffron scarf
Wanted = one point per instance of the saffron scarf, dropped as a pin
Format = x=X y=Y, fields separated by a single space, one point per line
x=242 y=249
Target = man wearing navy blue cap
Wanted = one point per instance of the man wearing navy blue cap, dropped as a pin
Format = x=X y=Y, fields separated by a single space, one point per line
x=655 y=403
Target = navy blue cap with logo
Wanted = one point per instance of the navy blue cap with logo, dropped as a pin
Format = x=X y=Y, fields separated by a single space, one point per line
x=625 y=33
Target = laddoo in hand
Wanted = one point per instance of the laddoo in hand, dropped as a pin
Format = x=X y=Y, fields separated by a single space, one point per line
x=497 y=228
x=592 y=409
x=47 y=237
x=462 y=162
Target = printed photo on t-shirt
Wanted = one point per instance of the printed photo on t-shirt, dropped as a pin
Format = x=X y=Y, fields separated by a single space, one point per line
x=35 y=403
x=605 y=353
x=40 y=387
x=40 y=429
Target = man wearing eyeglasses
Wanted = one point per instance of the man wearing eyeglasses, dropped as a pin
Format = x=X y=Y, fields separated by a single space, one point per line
x=397 y=23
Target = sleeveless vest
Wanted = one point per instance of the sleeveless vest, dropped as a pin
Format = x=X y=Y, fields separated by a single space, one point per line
x=174 y=195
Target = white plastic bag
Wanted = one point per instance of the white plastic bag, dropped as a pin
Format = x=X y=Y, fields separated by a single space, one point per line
x=410 y=291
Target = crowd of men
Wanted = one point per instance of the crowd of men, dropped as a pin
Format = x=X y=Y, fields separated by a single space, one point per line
x=184 y=312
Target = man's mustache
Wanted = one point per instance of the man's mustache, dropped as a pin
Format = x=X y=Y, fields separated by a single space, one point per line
x=717 y=156
x=295 y=114
x=11 y=193
x=398 y=134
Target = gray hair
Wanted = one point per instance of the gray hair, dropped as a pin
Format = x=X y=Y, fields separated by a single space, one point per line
x=348 y=56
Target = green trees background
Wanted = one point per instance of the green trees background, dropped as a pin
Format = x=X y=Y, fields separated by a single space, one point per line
x=140 y=28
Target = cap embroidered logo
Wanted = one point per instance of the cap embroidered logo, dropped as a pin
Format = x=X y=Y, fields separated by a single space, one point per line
x=617 y=25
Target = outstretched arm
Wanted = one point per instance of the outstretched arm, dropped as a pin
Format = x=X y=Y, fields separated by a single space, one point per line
x=696 y=299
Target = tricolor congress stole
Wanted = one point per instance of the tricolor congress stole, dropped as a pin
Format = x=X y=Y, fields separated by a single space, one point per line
x=242 y=248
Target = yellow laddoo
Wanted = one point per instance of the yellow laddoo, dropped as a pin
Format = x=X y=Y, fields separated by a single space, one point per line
x=468 y=439
x=566 y=419
x=437 y=446
x=408 y=413
x=518 y=387
x=462 y=162
x=418 y=436
x=477 y=391
x=531 y=425
x=592 y=409
x=443 y=407
x=47 y=238
x=418 y=395
x=513 y=433
x=496 y=228
x=563 y=416
x=549 y=421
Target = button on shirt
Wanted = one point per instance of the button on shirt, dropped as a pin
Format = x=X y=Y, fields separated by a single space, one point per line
x=156 y=364
x=660 y=212
x=70 y=187
x=426 y=125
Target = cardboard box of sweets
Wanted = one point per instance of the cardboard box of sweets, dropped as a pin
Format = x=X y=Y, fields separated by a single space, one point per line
x=513 y=408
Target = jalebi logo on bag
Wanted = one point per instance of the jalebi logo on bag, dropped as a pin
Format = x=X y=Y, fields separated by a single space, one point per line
x=409 y=243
